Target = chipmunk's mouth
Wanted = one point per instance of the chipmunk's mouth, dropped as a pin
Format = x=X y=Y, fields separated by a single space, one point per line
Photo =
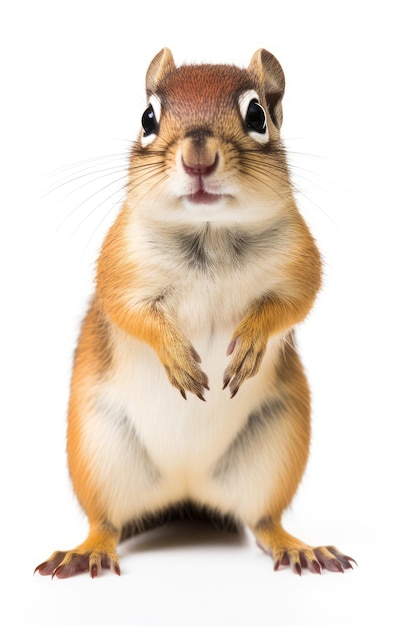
x=201 y=196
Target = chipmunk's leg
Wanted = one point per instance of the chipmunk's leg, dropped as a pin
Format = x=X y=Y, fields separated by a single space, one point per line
x=98 y=551
x=287 y=459
x=88 y=456
x=283 y=547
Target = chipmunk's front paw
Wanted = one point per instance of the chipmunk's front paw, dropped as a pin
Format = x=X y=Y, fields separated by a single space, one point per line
x=183 y=369
x=66 y=564
x=248 y=352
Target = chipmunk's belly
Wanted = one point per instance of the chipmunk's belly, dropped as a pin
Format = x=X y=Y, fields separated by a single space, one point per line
x=184 y=441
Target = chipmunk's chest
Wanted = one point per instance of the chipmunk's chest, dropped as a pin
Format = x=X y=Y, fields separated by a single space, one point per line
x=207 y=279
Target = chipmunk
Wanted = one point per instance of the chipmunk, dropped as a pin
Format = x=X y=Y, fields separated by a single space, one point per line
x=187 y=386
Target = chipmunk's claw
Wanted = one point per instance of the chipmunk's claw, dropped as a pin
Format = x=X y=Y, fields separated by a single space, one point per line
x=48 y=567
x=342 y=559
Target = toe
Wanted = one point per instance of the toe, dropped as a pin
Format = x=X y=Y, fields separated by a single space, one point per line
x=48 y=567
x=332 y=560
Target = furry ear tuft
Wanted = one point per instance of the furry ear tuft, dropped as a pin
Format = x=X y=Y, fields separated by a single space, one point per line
x=161 y=65
x=271 y=75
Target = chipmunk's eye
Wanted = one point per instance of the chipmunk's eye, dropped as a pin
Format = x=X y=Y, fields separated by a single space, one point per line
x=150 y=120
x=253 y=116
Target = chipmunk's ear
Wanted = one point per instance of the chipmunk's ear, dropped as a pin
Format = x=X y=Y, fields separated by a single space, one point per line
x=159 y=67
x=269 y=72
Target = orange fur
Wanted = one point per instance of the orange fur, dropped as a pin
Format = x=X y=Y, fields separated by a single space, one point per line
x=91 y=359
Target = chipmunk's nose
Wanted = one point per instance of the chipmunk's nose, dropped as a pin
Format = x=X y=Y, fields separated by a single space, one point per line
x=199 y=153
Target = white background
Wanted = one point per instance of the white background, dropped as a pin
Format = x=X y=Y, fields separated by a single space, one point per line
x=72 y=77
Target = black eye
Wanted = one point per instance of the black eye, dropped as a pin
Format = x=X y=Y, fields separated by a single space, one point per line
x=255 y=117
x=149 y=121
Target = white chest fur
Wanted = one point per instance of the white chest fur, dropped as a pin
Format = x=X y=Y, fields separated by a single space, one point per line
x=206 y=282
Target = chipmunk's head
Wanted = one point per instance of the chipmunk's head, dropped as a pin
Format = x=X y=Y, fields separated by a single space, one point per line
x=209 y=148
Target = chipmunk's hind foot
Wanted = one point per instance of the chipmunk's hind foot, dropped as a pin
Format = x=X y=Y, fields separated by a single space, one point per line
x=98 y=552
x=66 y=564
x=313 y=559
x=286 y=550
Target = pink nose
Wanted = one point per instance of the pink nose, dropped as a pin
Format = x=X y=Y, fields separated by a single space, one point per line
x=199 y=153
x=200 y=166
